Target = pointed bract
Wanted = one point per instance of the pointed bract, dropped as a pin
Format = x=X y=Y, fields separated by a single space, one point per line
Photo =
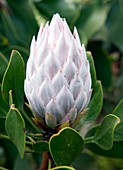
x=58 y=80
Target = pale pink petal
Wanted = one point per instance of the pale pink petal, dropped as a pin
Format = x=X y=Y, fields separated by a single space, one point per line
x=61 y=49
x=74 y=54
x=76 y=86
x=81 y=100
x=40 y=32
x=76 y=36
x=69 y=70
x=52 y=64
x=70 y=117
x=46 y=91
x=36 y=104
x=54 y=31
x=65 y=99
x=58 y=82
x=55 y=110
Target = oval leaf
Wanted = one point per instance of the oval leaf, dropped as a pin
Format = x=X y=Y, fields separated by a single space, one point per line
x=118 y=111
x=95 y=104
x=41 y=146
x=15 y=129
x=65 y=146
x=115 y=152
x=14 y=79
x=92 y=69
x=63 y=168
x=104 y=135
x=3 y=107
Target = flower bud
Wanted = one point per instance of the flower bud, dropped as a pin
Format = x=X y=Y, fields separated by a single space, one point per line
x=58 y=80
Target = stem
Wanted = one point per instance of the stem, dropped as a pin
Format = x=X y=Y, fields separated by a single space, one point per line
x=8 y=138
x=4 y=136
x=44 y=164
x=29 y=151
x=88 y=140
x=1 y=168
x=29 y=143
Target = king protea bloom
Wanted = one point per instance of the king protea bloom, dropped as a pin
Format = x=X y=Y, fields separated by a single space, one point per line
x=58 y=80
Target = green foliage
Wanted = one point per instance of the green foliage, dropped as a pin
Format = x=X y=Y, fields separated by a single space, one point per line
x=84 y=161
x=13 y=79
x=97 y=96
x=114 y=27
x=104 y=134
x=65 y=146
x=95 y=104
x=99 y=24
x=3 y=107
x=115 y=152
x=65 y=8
x=63 y=168
x=41 y=146
x=17 y=28
x=104 y=71
x=92 y=69
x=118 y=111
x=15 y=129
x=24 y=163
x=92 y=17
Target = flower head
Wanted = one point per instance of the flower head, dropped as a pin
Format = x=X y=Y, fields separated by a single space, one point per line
x=58 y=80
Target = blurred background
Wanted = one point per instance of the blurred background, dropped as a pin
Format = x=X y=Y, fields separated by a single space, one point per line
x=100 y=26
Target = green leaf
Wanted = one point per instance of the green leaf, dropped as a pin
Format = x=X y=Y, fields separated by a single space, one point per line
x=92 y=69
x=65 y=146
x=14 y=79
x=23 y=51
x=41 y=146
x=91 y=18
x=63 y=168
x=118 y=133
x=3 y=65
x=118 y=111
x=14 y=25
x=115 y=152
x=15 y=126
x=114 y=24
x=95 y=104
x=66 y=9
x=104 y=135
x=3 y=107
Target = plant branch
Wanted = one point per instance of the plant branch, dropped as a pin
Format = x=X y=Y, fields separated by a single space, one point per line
x=44 y=164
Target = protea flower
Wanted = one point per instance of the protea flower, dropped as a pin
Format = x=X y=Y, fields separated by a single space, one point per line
x=58 y=80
